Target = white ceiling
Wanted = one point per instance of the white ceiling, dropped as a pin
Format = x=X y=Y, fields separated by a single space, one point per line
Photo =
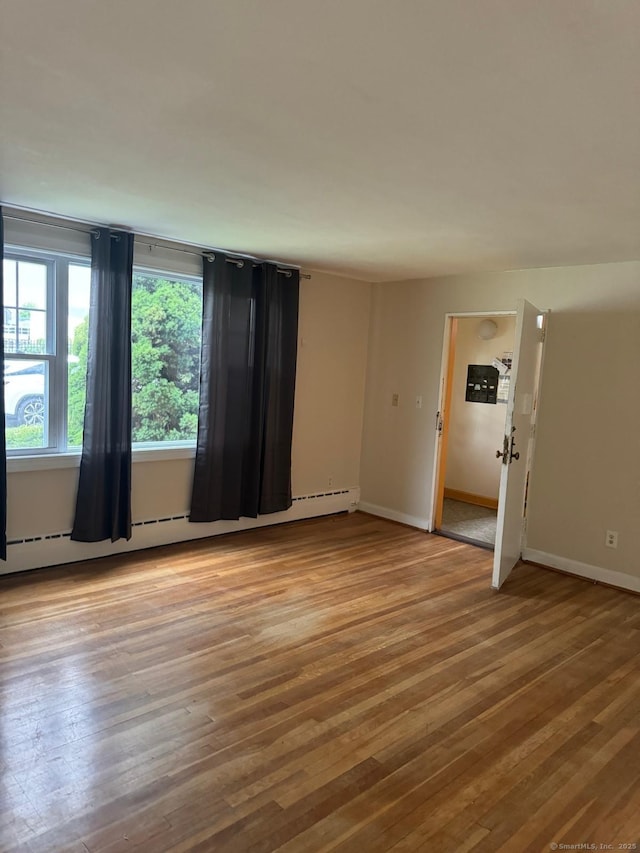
x=385 y=139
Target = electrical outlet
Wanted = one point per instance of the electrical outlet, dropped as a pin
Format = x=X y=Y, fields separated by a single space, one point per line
x=330 y=482
x=395 y=399
x=611 y=539
x=419 y=402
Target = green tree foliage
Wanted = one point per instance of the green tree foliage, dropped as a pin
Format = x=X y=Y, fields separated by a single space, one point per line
x=165 y=339
x=77 y=373
x=24 y=436
x=165 y=361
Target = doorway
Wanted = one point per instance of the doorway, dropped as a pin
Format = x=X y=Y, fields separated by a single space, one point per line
x=516 y=379
x=477 y=377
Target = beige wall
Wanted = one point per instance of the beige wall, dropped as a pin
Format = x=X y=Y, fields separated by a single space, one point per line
x=330 y=383
x=332 y=355
x=476 y=429
x=586 y=474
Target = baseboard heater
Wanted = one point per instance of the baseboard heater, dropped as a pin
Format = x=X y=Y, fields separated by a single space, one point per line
x=51 y=549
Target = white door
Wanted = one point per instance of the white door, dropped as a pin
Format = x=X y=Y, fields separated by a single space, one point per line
x=515 y=451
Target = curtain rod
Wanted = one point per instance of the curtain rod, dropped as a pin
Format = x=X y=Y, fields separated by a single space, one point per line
x=205 y=253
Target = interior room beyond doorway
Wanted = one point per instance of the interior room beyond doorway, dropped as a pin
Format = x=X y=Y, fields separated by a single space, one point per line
x=482 y=350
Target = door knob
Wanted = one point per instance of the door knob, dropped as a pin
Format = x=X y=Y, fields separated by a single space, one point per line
x=504 y=453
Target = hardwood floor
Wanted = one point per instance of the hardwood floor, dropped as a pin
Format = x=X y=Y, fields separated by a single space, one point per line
x=342 y=684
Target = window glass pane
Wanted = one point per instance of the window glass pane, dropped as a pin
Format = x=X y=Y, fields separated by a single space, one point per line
x=9 y=270
x=32 y=331
x=166 y=319
x=26 y=400
x=32 y=285
x=78 y=331
x=10 y=330
x=25 y=320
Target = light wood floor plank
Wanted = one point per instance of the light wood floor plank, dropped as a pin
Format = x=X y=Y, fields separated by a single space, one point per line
x=341 y=684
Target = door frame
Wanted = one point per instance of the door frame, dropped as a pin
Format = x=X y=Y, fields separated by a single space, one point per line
x=441 y=439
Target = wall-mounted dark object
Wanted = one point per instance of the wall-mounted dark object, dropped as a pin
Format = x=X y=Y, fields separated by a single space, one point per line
x=482 y=384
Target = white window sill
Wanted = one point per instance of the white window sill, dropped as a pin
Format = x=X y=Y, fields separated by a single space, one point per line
x=46 y=461
x=158 y=453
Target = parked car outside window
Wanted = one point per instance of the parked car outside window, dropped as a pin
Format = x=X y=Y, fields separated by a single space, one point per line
x=24 y=386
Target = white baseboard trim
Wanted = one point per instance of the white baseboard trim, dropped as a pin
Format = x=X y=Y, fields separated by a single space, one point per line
x=56 y=549
x=392 y=515
x=583 y=570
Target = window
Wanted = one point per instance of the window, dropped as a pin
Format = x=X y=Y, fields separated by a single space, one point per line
x=46 y=302
x=46 y=337
x=166 y=320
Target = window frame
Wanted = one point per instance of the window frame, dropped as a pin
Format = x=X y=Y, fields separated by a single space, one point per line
x=57 y=454
x=57 y=263
x=147 y=447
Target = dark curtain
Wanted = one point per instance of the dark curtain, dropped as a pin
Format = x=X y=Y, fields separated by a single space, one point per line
x=3 y=440
x=103 y=504
x=247 y=383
